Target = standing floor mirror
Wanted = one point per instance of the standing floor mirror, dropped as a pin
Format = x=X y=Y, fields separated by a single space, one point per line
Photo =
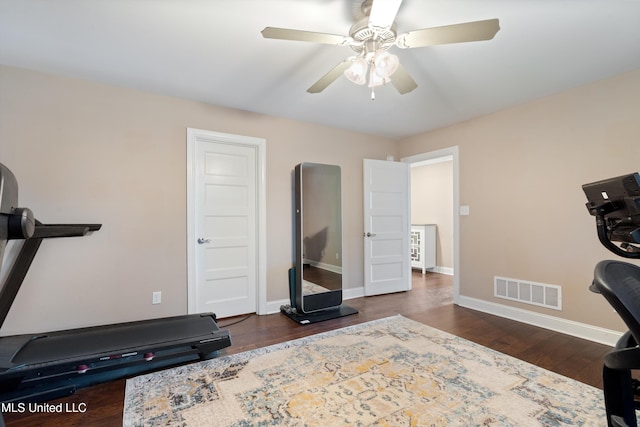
x=317 y=293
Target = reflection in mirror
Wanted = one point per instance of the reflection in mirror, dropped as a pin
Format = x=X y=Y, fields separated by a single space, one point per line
x=318 y=237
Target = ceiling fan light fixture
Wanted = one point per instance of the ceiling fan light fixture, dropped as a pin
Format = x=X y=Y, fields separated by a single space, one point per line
x=357 y=72
x=376 y=79
x=385 y=64
x=373 y=33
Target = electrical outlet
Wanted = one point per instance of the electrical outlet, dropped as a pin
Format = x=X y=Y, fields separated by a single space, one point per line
x=156 y=297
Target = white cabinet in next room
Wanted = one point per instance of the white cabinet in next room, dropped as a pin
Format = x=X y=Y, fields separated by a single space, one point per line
x=423 y=246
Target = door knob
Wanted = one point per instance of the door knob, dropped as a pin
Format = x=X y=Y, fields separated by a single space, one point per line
x=370 y=234
x=202 y=241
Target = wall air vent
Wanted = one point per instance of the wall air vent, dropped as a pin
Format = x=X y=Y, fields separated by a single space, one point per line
x=540 y=294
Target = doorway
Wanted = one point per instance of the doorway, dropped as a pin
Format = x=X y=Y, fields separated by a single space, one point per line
x=435 y=157
x=226 y=223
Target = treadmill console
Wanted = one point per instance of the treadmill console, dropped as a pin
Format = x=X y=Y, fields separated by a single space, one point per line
x=615 y=203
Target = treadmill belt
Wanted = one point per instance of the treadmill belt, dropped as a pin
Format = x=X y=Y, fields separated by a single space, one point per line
x=99 y=340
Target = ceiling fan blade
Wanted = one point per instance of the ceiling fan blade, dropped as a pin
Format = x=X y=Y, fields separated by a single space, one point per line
x=457 y=33
x=303 y=36
x=402 y=81
x=383 y=13
x=330 y=77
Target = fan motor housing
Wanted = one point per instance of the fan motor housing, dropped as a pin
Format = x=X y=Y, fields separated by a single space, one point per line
x=361 y=33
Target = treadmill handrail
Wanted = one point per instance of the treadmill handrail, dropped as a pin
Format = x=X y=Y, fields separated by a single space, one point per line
x=21 y=264
x=45 y=231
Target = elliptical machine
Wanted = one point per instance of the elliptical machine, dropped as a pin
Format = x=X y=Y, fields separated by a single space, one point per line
x=615 y=203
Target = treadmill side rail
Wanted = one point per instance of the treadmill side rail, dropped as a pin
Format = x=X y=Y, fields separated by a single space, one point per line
x=32 y=365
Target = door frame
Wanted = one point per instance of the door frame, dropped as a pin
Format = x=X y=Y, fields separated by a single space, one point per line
x=260 y=146
x=453 y=152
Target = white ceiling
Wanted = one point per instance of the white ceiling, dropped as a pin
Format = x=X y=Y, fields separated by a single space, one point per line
x=212 y=51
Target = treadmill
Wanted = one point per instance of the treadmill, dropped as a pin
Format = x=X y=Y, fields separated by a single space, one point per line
x=43 y=366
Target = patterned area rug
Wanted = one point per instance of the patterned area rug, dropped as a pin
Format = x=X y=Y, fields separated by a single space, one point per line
x=390 y=372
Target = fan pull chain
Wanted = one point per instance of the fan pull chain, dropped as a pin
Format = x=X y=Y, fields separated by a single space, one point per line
x=373 y=94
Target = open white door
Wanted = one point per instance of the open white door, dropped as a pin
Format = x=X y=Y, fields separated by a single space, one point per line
x=387 y=263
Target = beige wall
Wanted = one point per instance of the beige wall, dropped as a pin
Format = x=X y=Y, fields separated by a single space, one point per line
x=432 y=203
x=85 y=152
x=521 y=172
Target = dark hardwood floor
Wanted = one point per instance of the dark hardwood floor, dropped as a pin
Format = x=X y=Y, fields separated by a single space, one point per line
x=325 y=278
x=429 y=302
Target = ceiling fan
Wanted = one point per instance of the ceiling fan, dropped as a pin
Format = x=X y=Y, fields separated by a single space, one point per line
x=372 y=36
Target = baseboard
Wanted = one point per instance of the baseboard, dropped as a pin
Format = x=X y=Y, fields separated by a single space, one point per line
x=274 y=306
x=580 y=330
x=443 y=270
x=437 y=269
x=352 y=293
x=568 y=327
x=324 y=266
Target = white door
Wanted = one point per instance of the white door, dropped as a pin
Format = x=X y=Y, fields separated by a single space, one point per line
x=387 y=263
x=224 y=240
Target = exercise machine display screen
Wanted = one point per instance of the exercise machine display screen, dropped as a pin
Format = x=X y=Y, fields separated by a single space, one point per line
x=615 y=202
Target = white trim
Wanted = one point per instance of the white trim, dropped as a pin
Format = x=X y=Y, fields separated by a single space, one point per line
x=260 y=146
x=191 y=256
x=440 y=270
x=568 y=327
x=352 y=293
x=324 y=266
x=273 y=307
x=580 y=330
x=432 y=161
x=444 y=154
x=444 y=270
